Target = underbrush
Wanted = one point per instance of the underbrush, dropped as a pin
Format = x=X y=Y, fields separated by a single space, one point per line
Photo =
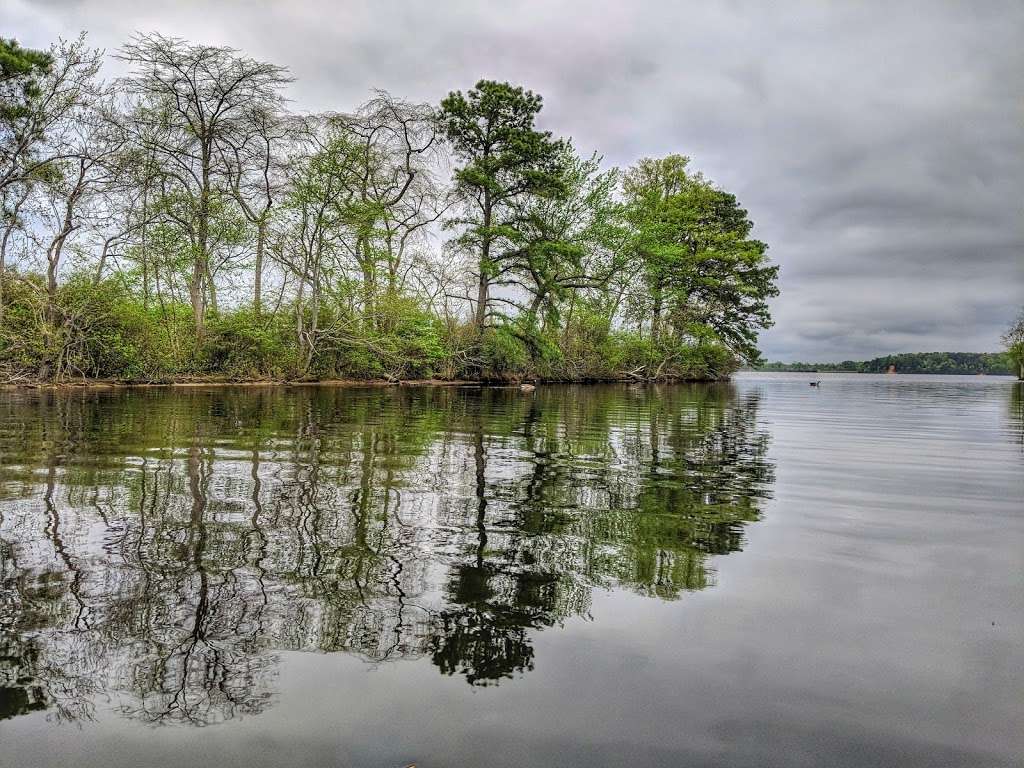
x=102 y=330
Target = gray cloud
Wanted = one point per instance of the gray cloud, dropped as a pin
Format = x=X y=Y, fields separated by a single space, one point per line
x=878 y=146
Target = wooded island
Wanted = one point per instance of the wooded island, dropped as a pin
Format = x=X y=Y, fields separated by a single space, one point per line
x=182 y=222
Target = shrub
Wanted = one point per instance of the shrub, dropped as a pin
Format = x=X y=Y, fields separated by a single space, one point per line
x=102 y=330
x=97 y=330
x=503 y=353
x=243 y=345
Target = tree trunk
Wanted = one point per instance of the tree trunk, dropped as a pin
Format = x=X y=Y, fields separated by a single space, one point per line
x=200 y=265
x=481 y=303
x=299 y=336
x=212 y=289
x=142 y=253
x=369 y=283
x=3 y=267
x=257 y=291
x=102 y=263
x=485 y=268
x=52 y=263
x=56 y=248
x=538 y=299
x=314 y=320
x=195 y=293
x=656 y=319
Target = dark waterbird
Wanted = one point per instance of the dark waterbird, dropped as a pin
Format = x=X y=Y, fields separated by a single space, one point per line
x=815 y=383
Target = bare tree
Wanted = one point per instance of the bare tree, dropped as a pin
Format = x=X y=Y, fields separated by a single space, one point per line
x=392 y=193
x=253 y=167
x=190 y=103
x=307 y=233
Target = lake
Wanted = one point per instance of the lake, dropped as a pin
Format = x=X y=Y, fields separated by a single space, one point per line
x=757 y=573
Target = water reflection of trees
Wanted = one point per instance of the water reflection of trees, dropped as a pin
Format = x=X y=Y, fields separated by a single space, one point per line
x=159 y=547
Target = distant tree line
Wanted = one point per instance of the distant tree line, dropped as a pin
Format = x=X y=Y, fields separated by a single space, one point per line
x=181 y=221
x=969 y=363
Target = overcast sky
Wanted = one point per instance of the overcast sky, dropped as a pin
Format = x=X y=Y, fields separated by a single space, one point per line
x=878 y=146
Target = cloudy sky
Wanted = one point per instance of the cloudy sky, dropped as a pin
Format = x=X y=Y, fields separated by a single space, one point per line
x=879 y=146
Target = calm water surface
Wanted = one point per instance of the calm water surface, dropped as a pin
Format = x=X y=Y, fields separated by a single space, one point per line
x=753 y=574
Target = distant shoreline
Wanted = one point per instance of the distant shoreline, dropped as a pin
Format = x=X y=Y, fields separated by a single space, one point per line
x=867 y=373
x=942 y=363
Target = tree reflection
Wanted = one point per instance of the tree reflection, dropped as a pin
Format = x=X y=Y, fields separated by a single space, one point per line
x=158 y=548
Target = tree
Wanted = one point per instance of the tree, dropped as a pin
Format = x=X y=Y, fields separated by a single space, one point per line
x=20 y=70
x=575 y=238
x=43 y=97
x=306 y=240
x=572 y=250
x=40 y=93
x=185 y=222
x=1014 y=341
x=704 y=274
x=650 y=188
x=192 y=105
x=13 y=199
x=507 y=162
x=391 y=195
x=73 y=192
x=252 y=161
x=23 y=108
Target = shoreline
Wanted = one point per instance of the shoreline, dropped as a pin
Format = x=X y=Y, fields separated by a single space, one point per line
x=100 y=384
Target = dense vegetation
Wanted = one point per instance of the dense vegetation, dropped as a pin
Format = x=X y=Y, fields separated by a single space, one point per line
x=182 y=222
x=969 y=363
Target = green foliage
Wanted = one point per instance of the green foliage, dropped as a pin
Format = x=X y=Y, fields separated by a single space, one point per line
x=20 y=70
x=507 y=163
x=1014 y=341
x=243 y=345
x=98 y=331
x=492 y=129
x=704 y=272
x=403 y=342
x=667 y=358
x=504 y=353
x=415 y=336
x=104 y=331
x=23 y=344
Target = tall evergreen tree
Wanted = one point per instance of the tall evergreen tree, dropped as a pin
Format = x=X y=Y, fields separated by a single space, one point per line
x=506 y=162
